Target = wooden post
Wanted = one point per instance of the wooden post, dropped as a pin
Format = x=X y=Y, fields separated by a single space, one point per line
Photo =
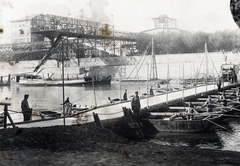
x=183 y=84
x=9 y=78
x=147 y=85
x=167 y=81
x=6 y=114
x=63 y=86
x=97 y=120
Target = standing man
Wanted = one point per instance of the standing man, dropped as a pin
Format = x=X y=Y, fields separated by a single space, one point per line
x=151 y=91
x=68 y=106
x=125 y=95
x=219 y=83
x=136 y=106
x=27 y=112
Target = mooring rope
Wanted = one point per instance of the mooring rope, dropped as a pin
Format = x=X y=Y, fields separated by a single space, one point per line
x=213 y=65
x=110 y=113
x=82 y=97
x=140 y=60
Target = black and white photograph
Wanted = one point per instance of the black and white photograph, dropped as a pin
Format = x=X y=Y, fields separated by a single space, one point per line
x=119 y=82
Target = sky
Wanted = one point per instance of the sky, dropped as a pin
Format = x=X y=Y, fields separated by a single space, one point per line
x=125 y=15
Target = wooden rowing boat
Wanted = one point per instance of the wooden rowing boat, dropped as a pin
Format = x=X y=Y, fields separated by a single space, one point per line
x=49 y=114
x=183 y=124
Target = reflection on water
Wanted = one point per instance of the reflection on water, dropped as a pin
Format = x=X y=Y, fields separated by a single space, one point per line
x=209 y=140
x=231 y=140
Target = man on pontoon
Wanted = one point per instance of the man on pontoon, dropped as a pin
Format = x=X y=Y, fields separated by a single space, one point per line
x=68 y=107
x=219 y=83
x=27 y=112
x=135 y=103
x=125 y=95
x=151 y=91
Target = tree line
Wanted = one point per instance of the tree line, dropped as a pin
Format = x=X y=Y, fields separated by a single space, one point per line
x=187 y=42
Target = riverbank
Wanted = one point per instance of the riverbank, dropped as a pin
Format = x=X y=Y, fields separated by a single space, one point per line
x=89 y=145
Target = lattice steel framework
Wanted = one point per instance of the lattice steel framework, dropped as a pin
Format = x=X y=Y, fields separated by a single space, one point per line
x=95 y=37
x=29 y=46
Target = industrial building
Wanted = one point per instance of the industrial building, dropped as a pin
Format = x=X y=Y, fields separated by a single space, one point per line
x=21 y=31
x=165 y=24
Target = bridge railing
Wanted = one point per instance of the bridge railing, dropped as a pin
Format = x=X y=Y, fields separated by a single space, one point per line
x=29 y=46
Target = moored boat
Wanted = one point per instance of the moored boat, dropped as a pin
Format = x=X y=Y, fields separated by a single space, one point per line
x=67 y=82
x=49 y=114
x=182 y=124
x=156 y=80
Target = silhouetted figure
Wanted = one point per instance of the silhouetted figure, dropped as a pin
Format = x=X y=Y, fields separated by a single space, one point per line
x=125 y=95
x=27 y=112
x=219 y=83
x=135 y=103
x=68 y=106
x=151 y=91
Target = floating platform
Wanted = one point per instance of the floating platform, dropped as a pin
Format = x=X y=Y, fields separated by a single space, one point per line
x=158 y=103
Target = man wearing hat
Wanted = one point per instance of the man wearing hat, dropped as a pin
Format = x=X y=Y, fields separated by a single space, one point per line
x=136 y=106
x=27 y=112
x=151 y=91
x=125 y=95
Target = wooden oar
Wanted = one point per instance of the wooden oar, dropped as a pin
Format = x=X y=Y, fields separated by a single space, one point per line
x=235 y=116
x=231 y=108
x=217 y=124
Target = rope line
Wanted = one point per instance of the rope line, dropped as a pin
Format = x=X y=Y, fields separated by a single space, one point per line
x=200 y=67
x=213 y=65
x=139 y=60
x=110 y=113
x=82 y=97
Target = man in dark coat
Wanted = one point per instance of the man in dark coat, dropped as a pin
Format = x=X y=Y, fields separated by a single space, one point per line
x=68 y=106
x=219 y=83
x=27 y=112
x=151 y=91
x=125 y=95
x=136 y=106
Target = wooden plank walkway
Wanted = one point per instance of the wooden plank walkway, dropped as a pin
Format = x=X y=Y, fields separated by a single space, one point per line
x=115 y=110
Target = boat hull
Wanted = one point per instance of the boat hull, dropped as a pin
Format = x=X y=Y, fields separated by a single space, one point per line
x=157 y=81
x=183 y=126
x=49 y=114
x=105 y=81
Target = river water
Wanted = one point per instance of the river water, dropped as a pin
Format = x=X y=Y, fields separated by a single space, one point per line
x=52 y=97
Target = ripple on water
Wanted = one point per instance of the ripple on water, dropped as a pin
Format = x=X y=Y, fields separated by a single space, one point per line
x=231 y=140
